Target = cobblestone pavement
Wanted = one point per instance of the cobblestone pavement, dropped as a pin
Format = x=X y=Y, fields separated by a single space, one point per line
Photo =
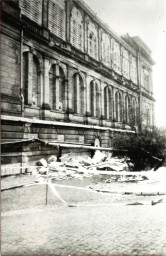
x=86 y=230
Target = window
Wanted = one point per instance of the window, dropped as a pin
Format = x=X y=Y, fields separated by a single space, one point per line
x=77 y=29
x=134 y=112
x=56 y=17
x=78 y=94
x=57 y=88
x=92 y=40
x=31 y=79
x=32 y=9
x=61 y=89
x=107 y=103
x=133 y=70
x=118 y=107
x=116 y=56
x=127 y=109
x=125 y=63
x=106 y=49
x=95 y=99
x=35 y=82
x=52 y=87
x=25 y=77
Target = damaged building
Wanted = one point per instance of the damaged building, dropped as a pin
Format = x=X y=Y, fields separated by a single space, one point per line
x=67 y=78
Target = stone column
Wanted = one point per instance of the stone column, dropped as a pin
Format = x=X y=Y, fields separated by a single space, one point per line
x=46 y=104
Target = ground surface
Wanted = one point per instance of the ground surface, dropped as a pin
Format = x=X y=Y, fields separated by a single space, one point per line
x=100 y=224
x=99 y=230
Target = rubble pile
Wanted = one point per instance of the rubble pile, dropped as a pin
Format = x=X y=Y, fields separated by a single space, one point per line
x=78 y=167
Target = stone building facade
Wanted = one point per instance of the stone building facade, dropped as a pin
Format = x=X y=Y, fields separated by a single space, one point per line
x=65 y=76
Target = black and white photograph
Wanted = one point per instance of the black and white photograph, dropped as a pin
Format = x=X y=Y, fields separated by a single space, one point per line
x=83 y=127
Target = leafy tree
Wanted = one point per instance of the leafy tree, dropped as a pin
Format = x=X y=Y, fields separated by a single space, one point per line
x=145 y=150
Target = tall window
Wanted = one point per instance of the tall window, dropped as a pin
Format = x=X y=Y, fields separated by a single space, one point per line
x=127 y=109
x=146 y=80
x=78 y=94
x=35 y=82
x=77 y=29
x=133 y=70
x=134 y=112
x=57 y=88
x=106 y=58
x=107 y=103
x=148 y=118
x=118 y=107
x=56 y=17
x=92 y=40
x=32 y=9
x=31 y=79
x=62 y=89
x=116 y=56
x=95 y=99
x=125 y=63
x=52 y=87
x=25 y=77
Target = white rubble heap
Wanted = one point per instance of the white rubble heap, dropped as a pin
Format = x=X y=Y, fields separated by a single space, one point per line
x=72 y=167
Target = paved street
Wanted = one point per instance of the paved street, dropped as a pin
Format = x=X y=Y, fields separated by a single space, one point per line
x=88 y=230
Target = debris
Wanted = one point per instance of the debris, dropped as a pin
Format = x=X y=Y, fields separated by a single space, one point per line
x=136 y=203
x=156 y=202
x=99 y=157
x=52 y=159
x=43 y=170
x=42 y=162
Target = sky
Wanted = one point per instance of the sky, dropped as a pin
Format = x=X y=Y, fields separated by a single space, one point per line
x=146 y=19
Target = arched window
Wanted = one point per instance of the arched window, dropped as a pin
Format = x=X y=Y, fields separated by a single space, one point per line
x=125 y=63
x=92 y=40
x=25 y=77
x=106 y=58
x=133 y=70
x=31 y=79
x=148 y=117
x=107 y=103
x=35 y=82
x=118 y=107
x=134 y=112
x=56 y=20
x=127 y=109
x=57 y=88
x=78 y=94
x=52 y=87
x=61 y=89
x=116 y=56
x=146 y=80
x=77 y=29
x=97 y=142
x=95 y=99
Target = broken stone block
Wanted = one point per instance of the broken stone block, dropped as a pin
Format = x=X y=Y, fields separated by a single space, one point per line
x=52 y=159
x=99 y=157
x=42 y=162
x=43 y=170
